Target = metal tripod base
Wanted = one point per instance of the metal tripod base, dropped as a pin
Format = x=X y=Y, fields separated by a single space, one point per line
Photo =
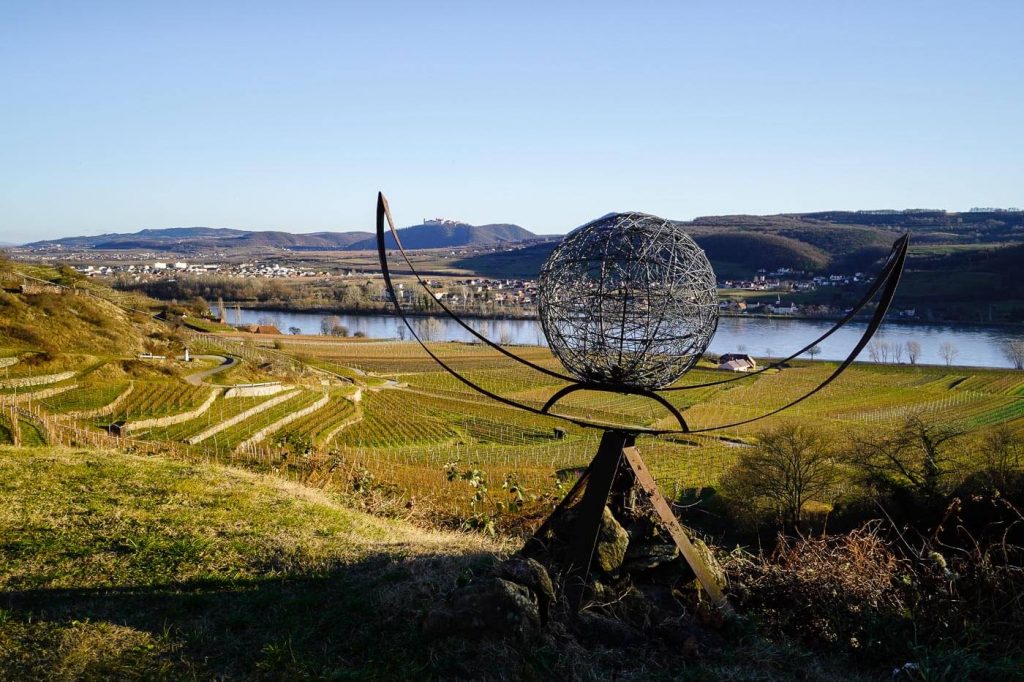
x=617 y=449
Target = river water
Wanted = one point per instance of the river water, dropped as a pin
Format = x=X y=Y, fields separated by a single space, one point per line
x=775 y=337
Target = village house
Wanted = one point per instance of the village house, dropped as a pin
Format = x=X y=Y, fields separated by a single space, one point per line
x=737 y=362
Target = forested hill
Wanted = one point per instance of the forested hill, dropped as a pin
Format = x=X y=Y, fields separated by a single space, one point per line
x=430 y=235
x=845 y=241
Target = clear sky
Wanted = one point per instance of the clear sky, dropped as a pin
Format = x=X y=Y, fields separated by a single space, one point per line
x=120 y=116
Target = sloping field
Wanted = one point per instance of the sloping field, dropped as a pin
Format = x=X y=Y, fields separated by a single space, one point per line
x=124 y=567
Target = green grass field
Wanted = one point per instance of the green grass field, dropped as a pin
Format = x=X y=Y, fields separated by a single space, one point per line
x=123 y=567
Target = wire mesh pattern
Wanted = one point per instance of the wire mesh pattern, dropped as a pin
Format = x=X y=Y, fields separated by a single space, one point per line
x=628 y=300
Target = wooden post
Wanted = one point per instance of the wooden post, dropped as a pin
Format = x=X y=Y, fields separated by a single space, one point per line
x=679 y=535
x=15 y=427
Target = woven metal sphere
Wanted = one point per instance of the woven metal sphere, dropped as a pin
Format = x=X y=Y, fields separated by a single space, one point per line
x=628 y=300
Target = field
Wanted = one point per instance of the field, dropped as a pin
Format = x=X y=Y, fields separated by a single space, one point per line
x=426 y=418
x=414 y=419
x=124 y=567
x=135 y=552
x=411 y=422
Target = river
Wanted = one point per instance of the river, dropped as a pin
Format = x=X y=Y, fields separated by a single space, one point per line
x=775 y=337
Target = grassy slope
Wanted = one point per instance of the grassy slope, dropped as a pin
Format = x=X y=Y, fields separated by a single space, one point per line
x=115 y=566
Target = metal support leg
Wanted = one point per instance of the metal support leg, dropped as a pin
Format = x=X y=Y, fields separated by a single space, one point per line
x=599 y=484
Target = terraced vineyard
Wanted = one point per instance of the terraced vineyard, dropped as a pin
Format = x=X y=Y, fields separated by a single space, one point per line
x=232 y=437
x=87 y=396
x=413 y=419
x=157 y=399
x=440 y=419
x=221 y=410
x=321 y=423
x=389 y=422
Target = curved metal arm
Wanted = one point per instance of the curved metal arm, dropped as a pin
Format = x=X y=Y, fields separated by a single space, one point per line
x=608 y=389
x=892 y=281
x=897 y=255
x=382 y=204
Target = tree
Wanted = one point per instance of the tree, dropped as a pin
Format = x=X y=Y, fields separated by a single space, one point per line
x=917 y=456
x=400 y=332
x=814 y=351
x=874 y=351
x=430 y=329
x=1002 y=454
x=294 y=331
x=790 y=466
x=913 y=351
x=327 y=324
x=897 y=352
x=948 y=352
x=883 y=351
x=1014 y=352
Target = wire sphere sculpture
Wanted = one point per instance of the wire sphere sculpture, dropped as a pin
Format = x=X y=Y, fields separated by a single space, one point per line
x=628 y=300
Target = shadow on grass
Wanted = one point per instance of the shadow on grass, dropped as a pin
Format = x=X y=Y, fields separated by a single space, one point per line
x=356 y=621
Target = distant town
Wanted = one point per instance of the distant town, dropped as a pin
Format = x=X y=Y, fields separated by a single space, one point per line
x=737 y=296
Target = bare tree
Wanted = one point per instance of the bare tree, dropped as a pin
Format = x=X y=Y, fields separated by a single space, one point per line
x=430 y=329
x=948 y=352
x=874 y=352
x=506 y=334
x=897 y=352
x=883 y=351
x=913 y=351
x=917 y=456
x=400 y=332
x=814 y=351
x=1002 y=453
x=1014 y=352
x=789 y=467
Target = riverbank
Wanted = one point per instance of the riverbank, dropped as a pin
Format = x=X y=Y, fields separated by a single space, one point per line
x=388 y=310
x=759 y=336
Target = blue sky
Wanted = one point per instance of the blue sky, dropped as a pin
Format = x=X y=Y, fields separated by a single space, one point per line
x=130 y=115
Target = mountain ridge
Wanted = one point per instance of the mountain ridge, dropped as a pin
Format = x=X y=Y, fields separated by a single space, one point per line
x=430 y=235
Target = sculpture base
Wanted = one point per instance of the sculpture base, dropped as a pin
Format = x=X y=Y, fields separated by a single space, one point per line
x=613 y=480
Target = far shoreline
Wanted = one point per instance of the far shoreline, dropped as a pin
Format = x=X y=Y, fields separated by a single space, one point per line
x=532 y=316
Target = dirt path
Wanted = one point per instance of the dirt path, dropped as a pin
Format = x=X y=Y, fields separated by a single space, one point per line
x=197 y=378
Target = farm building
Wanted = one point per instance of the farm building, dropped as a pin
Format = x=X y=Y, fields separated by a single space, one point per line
x=737 y=362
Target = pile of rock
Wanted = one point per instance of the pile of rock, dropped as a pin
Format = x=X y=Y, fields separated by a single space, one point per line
x=639 y=587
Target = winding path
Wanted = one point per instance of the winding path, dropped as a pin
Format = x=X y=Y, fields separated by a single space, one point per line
x=227 y=363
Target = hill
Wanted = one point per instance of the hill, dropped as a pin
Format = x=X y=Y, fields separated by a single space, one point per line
x=447 y=234
x=83 y=318
x=124 y=567
x=846 y=241
x=732 y=254
x=430 y=235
